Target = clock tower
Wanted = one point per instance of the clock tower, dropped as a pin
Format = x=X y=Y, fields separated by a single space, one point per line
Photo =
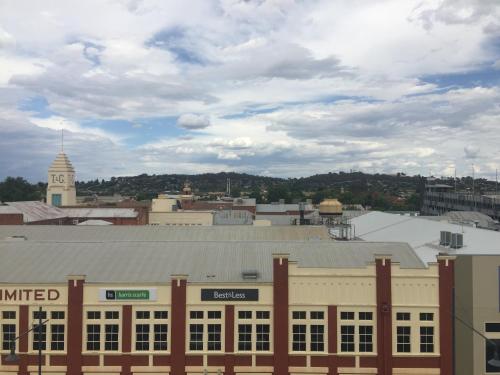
x=61 y=182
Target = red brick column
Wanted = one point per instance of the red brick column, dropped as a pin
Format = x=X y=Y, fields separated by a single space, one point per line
x=446 y=290
x=332 y=340
x=384 y=315
x=126 y=339
x=178 y=324
x=229 y=340
x=22 y=349
x=75 y=324
x=280 y=313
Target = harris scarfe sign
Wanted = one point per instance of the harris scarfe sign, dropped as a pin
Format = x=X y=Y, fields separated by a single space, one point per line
x=128 y=294
x=229 y=294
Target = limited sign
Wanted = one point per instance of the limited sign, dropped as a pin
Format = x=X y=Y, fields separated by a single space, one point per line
x=230 y=294
x=127 y=294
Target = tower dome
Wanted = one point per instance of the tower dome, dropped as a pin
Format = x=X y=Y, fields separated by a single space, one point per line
x=61 y=182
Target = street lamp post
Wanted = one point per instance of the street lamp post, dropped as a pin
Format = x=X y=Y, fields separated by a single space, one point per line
x=13 y=357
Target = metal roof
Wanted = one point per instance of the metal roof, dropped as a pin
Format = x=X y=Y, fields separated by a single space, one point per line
x=100 y=212
x=37 y=211
x=151 y=262
x=423 y=235
x=95 y=222
x=164 y=233
x=9 y=210
x=282 y=207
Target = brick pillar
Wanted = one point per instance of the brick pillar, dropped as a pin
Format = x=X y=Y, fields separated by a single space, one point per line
x=280 y=313
x=332 y=340
x=446 y=290
x=178 y=324
x=22 y=349
x=126 y=339
x=384 y=315
x=229 y=340
x=75 y=324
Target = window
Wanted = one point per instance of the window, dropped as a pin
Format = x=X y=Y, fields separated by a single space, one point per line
x=492 y=327
x=299 y=337
x=214 y=336
x=142 y=337
x=402 y=316
x=299 y=315
x=205 y=331
x=365 y=315
x=112 y=315
x=151 y=330
x=93 y=337
x=111 y=336
x=39 y=335
x=356 y=332
x=262 y=343
x=214 y=315
x=403 y=339
x=57 y=336
x=263 y=314
x=196 y=314
x=142 y=314
x=244 y=337
x=426 y=317
x=308 y=335
x=317 y=338
x=347 y=338
x=347 y=315
x=103 y=330
x=426 y=339
x=8 y=328
x=57 y=315
x=317 y=315
x=244 y=315
x=490 y=354
x=196 y=337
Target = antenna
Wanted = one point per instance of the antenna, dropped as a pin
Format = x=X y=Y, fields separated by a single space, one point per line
x=62 y=140
x=455 y=179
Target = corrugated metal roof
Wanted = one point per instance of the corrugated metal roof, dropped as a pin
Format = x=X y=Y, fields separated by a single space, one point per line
x=423 y=235
x=132 y=262
x=100 y=212
x=95 y=222
x=164 y=233
x=9 y=210
x=37 y=211
x=282 y=207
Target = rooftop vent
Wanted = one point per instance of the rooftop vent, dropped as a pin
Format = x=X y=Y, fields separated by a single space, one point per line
x=445 y=239
x=457 y=240
x=250 y=275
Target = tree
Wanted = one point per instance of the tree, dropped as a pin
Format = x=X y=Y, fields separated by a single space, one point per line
x=277 y=192
x=14 y=189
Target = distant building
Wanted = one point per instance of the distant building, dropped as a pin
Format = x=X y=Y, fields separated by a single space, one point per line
x=439 y=199
x=37 y=213
x=165 y=210
x=61 y=189
x=280 y=213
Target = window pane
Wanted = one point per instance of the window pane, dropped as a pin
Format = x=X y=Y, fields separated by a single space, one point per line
x=8 y=315
x=196 y=336
x=347 y=338
x=111 y=336
x=492 y=327
x=161 y=314
x=365 y=339
x=317 y=315
x=426 y=316
x=161 y=336
x=142 y=314
x=402 y=316
x=365 y=315
x=196 y=315
x=57 y=337
x=299 y=315
x=299 y=337
x=403 y=339
x=490 y=354
x=112 y=314
x=347 y=315
x=426 y=339
x=214 y=315
x=141 y=336
x=93 y=337
x=8 y=335
x=39 y=333
x=244 y=337
x=262 y=343
x=263 y=314
x=244 y=315
x=93 y=315
x=57 y=315
x=317 y=338
x=214 y=337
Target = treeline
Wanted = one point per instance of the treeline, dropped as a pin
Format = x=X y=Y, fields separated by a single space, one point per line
x=14 y=189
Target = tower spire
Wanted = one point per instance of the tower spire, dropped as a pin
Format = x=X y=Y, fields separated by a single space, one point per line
x=62 y=140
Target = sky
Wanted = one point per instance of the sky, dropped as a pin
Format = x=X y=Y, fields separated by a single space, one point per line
x=276 y=88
